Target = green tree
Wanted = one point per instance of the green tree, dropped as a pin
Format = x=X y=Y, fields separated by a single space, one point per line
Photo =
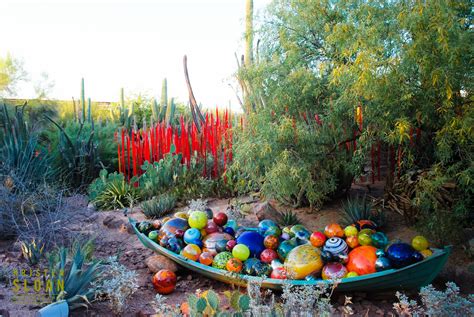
x=11 y=73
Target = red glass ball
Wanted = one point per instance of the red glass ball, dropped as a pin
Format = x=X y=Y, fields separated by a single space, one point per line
x=164 y=281
x=279 y=273
x=268 y=255
x=220 y=219
x=211 y=227
x=231 y=244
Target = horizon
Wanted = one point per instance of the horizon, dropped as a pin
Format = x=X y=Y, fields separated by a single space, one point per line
x=123 y=44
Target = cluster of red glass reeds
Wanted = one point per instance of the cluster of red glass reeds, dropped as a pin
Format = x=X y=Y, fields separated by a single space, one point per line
x=151 y=144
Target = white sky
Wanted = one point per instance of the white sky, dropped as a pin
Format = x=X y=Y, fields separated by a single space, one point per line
x=130 y=44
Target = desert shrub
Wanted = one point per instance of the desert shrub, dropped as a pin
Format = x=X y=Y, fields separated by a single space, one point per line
x=116 y=284
x=33 y=215
x=159 y=206
x=436 y=303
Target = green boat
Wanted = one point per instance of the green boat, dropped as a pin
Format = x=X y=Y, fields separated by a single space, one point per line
x=410 y=277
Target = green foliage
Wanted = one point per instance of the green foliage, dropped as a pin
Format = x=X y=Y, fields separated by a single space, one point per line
x=159 y=177
x=75 y=274
x=159 y=206
x=112 y=191
x=294 y=162
x=22 y=157
x=32 y=251
x=444 y=203
x=287 y=218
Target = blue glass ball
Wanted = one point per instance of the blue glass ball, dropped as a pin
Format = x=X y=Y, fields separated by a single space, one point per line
x=382 y=263
x=254 y=241
x=175 y=245
x=191 y=235
x=379 y=253
x=417 y=257
x=400 y=254
x=229 y=230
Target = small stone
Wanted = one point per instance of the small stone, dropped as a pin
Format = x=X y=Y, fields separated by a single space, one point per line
x=265 y=210
x=379 y=312
x=91 y=207
x=92 y=218
x=156 y=263
x=112 y=222
x=189 y=277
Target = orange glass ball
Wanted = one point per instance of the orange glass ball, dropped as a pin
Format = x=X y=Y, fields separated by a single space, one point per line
x=164 y=281
x=352 y=242
x=206 y=258
x=362 y=260
x=234 y=265
x=334 y=230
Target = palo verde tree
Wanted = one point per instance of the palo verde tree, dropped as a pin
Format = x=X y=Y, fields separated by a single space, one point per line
x=408 y=64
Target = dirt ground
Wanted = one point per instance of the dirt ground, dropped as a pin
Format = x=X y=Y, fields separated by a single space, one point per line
x=115 y=239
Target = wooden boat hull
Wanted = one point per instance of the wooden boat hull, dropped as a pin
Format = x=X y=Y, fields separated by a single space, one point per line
x=410 y=277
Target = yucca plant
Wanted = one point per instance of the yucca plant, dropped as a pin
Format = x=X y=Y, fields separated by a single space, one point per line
x=360 y=208
x=32 y=251
x=287 y=218
x=71 y=278
x=159 y=206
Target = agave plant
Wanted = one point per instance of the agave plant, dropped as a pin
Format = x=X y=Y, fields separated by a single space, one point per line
x=32 y=251
x=159 y=206
x=117 y=194
x=72 y=278
x=360 y=208
x=287 y=218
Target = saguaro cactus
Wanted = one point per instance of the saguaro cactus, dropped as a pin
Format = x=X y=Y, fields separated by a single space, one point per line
x=83 y=101
x=164 y=100
x=249 y=33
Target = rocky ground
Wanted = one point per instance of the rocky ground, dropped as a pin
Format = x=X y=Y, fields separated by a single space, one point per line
x=115 y=237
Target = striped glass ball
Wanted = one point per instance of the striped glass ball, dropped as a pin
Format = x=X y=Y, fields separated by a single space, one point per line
x=336 y=246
